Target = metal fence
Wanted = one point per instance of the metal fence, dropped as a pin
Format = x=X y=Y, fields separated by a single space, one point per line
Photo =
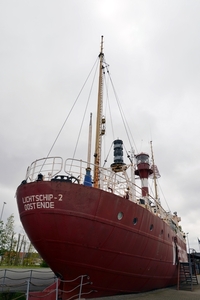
x=16 y=280
x=41 y=284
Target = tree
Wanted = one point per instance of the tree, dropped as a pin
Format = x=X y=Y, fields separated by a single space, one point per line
x=15 y=249
x=2 y=240
x=8 y=241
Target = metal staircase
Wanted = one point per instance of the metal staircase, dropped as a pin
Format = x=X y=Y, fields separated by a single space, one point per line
x=187 y=275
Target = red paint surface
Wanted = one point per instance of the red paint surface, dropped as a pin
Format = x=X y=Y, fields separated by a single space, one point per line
x=82 y=235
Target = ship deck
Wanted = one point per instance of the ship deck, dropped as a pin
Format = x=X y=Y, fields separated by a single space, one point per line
x=168 y=293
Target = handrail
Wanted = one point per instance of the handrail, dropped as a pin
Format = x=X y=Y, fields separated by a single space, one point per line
x=7 y=281
x=37 y=291
x=118 y=183
x=49 y=167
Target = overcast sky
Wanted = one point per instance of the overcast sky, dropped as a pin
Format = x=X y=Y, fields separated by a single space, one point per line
x=47 y=49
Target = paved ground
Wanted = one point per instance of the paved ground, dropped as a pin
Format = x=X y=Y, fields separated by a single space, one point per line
x=162 y=294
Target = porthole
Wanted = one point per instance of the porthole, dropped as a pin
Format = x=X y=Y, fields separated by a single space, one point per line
x=151 y=227
x=135 y=220
x=120 y=215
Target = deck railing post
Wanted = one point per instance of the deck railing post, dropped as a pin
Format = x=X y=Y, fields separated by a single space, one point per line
x=31 y=272
x=27 y=289
x=57 y=288
x=4 y=279
x=79 y=296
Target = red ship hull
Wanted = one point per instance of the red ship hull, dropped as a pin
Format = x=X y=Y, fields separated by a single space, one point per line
x=80 y=230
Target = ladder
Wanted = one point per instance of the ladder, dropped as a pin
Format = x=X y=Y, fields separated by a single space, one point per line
x=187 y=276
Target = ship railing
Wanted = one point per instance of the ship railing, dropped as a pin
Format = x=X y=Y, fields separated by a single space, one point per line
x=118 y=183
x=49 y=167
x=54 y=291
x=39 y=284
x=14 y=280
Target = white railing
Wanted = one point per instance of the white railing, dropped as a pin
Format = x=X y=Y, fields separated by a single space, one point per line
x=39 y=284
x=118 y=183
x=48 y=167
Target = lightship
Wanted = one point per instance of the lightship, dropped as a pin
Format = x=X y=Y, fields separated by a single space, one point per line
x=86 y=219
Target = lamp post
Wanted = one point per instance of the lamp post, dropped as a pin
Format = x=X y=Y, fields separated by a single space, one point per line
x=2 y=211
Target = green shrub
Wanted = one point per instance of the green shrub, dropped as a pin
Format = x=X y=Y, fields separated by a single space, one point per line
x=44 y=264
x=12 y=296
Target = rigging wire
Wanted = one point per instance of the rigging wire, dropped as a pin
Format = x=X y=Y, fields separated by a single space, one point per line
x=128 y=155
x=108 y=102
x=69 y=114
x=127 y=129
x=85 y=112
x=164 y=197
x=106 y=82
x=106 y=159
x=107 y=107
x=122 y=113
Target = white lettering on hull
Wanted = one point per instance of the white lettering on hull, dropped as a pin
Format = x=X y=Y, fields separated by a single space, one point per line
x=41 y=201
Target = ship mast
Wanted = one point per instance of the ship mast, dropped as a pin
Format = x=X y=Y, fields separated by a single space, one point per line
x=97 y=154
x=89 y=142
x=154 y=173
x=88 y=178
